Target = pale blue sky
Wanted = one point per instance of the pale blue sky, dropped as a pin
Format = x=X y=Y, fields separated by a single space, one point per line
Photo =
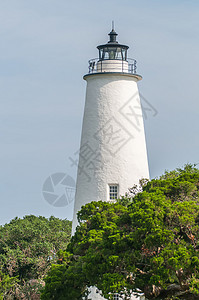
x=44 y=49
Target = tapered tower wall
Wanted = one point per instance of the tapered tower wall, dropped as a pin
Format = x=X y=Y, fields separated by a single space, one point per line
x=113 y=148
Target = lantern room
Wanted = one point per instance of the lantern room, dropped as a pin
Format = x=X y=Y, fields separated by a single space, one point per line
x=112 y=50
x=113 y=58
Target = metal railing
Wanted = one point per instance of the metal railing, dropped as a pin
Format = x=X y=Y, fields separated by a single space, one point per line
x=99 y=66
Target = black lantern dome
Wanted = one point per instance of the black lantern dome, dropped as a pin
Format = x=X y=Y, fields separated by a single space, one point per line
x=112 y=50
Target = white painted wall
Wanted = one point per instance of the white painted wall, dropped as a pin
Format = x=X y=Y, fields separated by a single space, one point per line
x=96 y=295
x=112 y=66
x=113 y=149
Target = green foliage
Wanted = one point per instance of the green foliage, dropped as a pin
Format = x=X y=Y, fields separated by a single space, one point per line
x=147 y=244
x=28 y=246
x=6 y=284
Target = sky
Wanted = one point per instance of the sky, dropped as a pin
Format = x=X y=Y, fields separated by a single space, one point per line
x=44 y=51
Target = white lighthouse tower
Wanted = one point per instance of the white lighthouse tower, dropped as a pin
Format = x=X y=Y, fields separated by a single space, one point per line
x=112 y=155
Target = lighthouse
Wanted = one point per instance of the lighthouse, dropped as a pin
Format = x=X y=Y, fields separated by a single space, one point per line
x=112 y=154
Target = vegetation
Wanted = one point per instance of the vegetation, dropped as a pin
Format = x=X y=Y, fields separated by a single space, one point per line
x=28 y=246
x=146 y=243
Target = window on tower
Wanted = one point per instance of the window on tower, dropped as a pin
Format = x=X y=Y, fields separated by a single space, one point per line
x=113 y=191
x=112 y=53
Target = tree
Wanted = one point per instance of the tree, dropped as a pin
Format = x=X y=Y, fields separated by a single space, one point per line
x=6 y=283
x=28 y=246
x=145 y=243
